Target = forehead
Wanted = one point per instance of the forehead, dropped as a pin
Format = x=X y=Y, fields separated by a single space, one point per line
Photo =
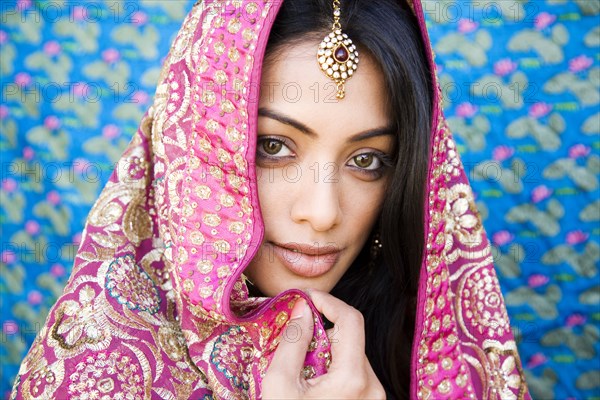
x=292 y=83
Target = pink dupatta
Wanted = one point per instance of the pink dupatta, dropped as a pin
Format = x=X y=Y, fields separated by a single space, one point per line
x=153 y=307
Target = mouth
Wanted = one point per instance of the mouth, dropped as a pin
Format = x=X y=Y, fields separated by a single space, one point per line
x=308 y=261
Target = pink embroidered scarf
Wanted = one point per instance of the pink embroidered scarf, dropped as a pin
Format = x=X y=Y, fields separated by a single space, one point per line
x=152 y=308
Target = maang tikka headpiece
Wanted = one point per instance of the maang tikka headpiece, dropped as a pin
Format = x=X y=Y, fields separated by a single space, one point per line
x=337 y=55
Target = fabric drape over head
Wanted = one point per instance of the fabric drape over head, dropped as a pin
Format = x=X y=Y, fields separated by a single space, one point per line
x=157 y=306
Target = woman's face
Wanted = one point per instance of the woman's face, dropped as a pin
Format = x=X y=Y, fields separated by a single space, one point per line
x=322 y=168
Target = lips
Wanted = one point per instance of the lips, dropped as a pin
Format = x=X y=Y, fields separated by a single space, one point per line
x=307 y=260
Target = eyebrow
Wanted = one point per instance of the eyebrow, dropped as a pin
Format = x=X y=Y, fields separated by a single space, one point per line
x=284 y=119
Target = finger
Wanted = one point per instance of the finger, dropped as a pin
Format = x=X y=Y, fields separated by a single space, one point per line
x=348 y=336
x=291 y=352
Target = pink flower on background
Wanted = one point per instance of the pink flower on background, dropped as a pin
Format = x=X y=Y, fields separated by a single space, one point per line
x=579 y=150
x=76 y=239
x=57 y=270
x=52 y=48
x=139 y=18
x=34 y=297
x=3 y=111
x=9 y=185
x=466 y=25
x=536 y=360
x=81 y=165
x=466 y=110
x=577 y=237
x=81 y=89
x=32 y=227
x=504 y=67
x=79 y=13
x=140 y=97
x=537 y=280
x=539 y=110
x=10 y=327
x=52 y=122
x=576 y=320
x=111 y=131
x=540 y=193
x=3 y=37
x=580 y=63
x=110 y=56
x=23 y=5
x=23 y=79
x=501 y=153
x=28 y=153
x=8 y=257
x=53 y=197
x=502 y=237
x=543 y=20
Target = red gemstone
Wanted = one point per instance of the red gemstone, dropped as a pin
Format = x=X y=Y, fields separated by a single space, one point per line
x=341 y=54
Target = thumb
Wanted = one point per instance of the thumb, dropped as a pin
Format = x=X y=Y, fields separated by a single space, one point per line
x=291 y=352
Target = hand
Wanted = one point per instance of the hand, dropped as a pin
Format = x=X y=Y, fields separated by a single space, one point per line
x=350 y=375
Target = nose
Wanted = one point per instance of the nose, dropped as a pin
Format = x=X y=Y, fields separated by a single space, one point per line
x=317 y=202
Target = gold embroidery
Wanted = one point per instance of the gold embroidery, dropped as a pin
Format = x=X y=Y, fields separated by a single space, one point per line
x=132 y=286
x=227 y=200
x=223 y=156
x=233 y=135
x=481 y=303
x=85 y=379
x=80 y=325
x=444 y=387
x=251 y=8
x=219 y=50
x=234 y=26
x=203 y=192
x=212 y=219
x=43 y=380
x=234 y=54
x=462 y=221
x=205 y=266
x=137 y=224
x=197 y=238
x=504 y=370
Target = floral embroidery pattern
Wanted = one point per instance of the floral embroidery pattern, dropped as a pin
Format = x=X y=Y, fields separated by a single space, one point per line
x=504 y=372
x=80 y=325
x=106 y=376
x=132 y=286
x=482 y=302
x=226 y=359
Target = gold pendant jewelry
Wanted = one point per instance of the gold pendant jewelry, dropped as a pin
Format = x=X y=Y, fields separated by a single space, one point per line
x=337 y=55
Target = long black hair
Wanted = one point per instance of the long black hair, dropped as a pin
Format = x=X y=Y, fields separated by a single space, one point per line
x=385 y=291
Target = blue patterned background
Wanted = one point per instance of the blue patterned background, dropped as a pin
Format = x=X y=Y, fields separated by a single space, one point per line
x=521 y=81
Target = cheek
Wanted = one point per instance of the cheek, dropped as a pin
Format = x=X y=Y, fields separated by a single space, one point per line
x=361 y=207
x=271 y=194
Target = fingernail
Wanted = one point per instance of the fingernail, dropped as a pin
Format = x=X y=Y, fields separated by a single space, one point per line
x=298 y=310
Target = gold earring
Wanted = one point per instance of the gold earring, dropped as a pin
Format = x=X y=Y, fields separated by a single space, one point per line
x=375 y=252
x=337 y=55
x=376 y=246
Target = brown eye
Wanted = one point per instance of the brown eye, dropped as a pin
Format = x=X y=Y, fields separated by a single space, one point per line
x=369 y=162
x=272 y=147
x=363 y=160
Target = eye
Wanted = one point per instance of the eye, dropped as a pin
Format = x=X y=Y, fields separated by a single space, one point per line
x=367 y=161
x=272 y=147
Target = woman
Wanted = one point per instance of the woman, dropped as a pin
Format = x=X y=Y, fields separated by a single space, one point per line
x=318 y=182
